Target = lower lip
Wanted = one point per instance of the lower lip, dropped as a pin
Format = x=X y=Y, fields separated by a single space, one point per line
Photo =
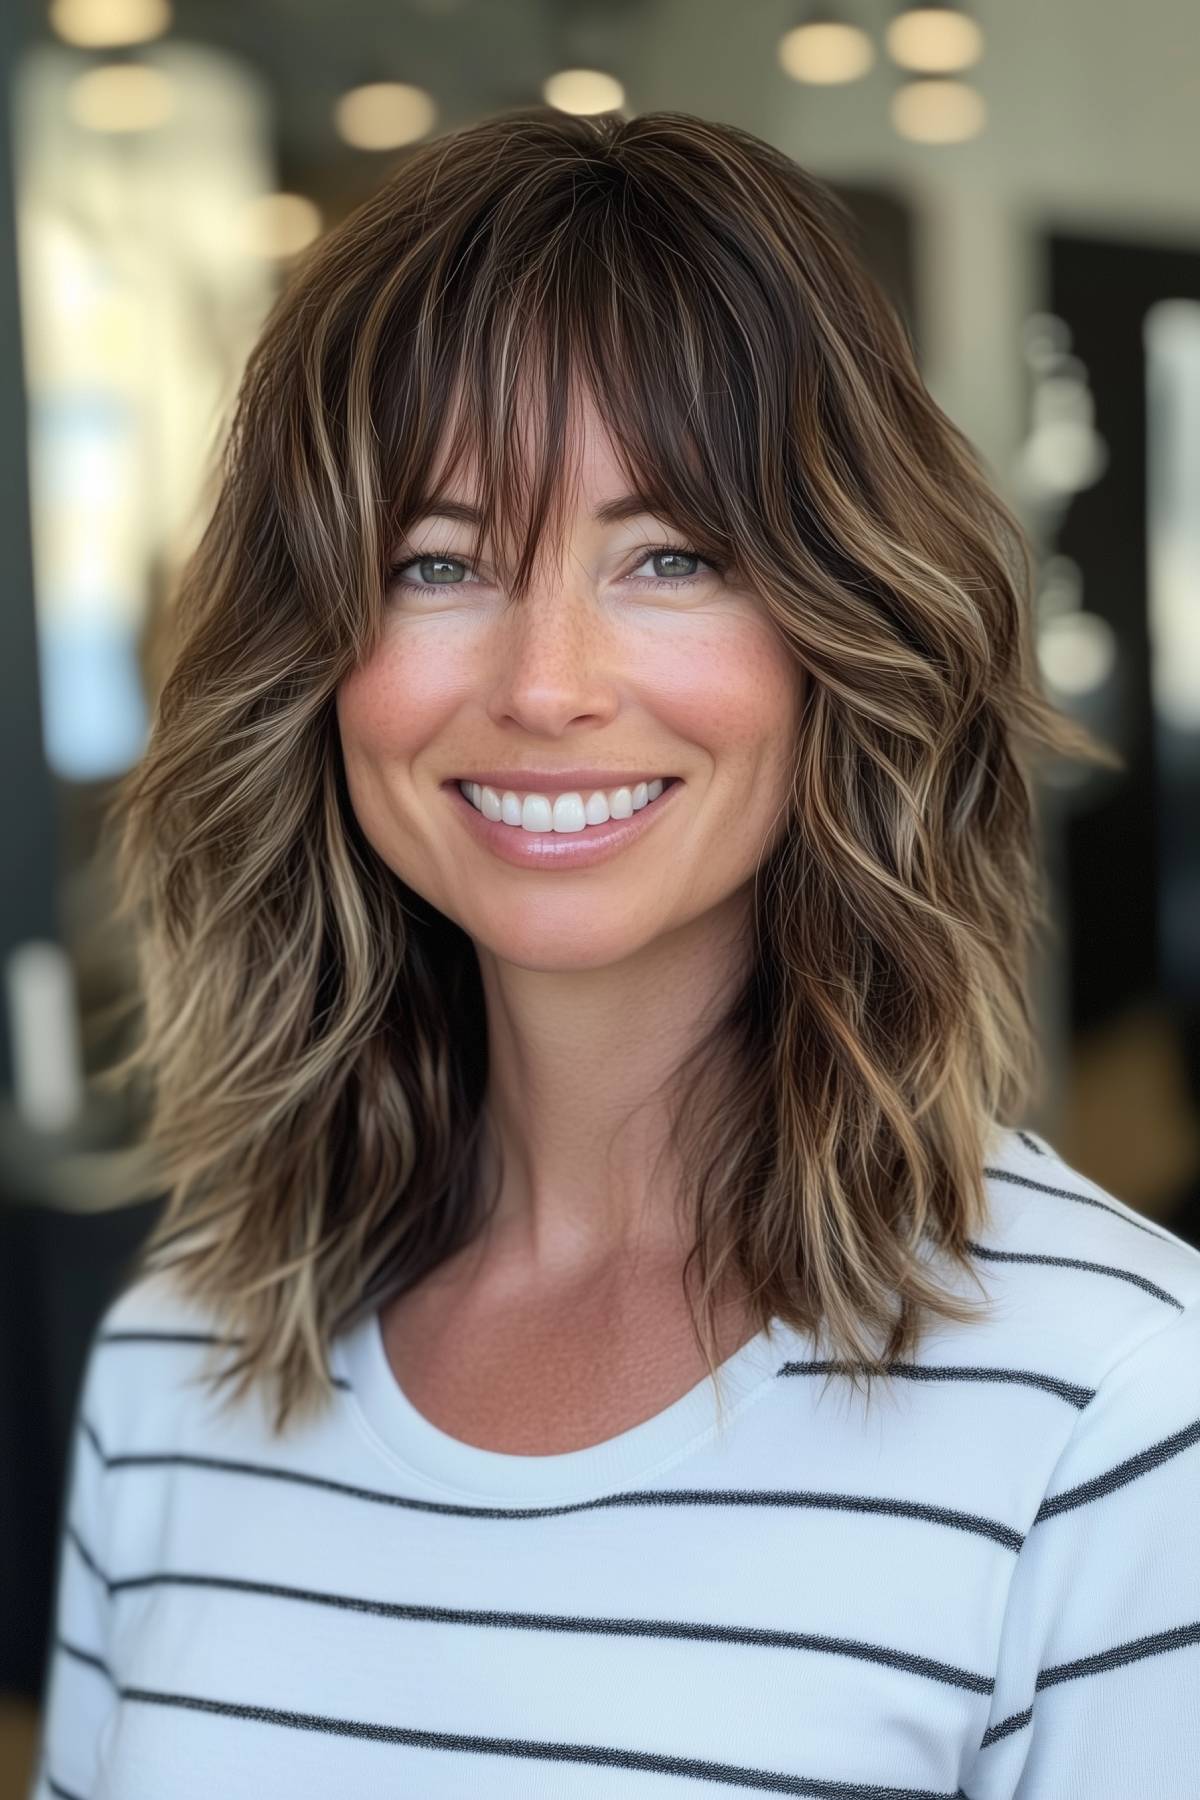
x=560 y=849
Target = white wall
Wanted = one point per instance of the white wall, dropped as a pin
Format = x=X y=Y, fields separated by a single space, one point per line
x=1094 y=123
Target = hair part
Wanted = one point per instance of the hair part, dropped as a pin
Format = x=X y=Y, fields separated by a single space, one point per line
x=314 y=1032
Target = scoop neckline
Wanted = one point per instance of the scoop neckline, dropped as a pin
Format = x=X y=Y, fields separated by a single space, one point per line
x=450 y=1463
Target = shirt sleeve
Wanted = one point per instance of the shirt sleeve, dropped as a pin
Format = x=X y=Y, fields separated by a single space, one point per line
x=1097 y=1695
x=79 y=1692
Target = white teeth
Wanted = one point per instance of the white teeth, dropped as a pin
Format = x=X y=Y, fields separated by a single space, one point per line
x=567 y=812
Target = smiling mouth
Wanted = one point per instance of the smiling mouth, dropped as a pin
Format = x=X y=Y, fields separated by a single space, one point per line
x=515 y=826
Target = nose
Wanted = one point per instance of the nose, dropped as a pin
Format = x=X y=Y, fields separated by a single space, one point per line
x=554 y=660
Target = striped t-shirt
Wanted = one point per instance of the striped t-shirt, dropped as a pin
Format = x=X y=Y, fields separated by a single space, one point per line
x=987 y=1585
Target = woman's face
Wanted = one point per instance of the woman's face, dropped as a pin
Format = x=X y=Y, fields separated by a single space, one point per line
x=603 y=665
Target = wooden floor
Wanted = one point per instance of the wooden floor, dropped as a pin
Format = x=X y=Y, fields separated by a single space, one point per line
x=18 y=1729
x=1125 y=1119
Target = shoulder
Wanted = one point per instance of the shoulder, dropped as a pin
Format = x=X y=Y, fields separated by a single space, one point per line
x=1107 y=1301
x=154 y=1305
x=1077 y=1274
x=149 y=1344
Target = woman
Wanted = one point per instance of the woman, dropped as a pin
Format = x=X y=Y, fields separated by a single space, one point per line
x=583 y=867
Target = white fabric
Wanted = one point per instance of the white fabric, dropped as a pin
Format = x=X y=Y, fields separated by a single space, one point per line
x=987 y=1585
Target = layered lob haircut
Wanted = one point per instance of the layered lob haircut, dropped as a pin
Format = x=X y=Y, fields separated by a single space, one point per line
x=312 y=1033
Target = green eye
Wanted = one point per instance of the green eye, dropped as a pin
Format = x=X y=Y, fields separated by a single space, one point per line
x=437 y=568
x=436 y=561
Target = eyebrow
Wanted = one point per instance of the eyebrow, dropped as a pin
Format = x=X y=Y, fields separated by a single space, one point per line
x=437 y=506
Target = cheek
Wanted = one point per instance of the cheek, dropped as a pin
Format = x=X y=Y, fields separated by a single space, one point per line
x=388 y=709
x=385 y=719
x=737 y=695
x=731 y=691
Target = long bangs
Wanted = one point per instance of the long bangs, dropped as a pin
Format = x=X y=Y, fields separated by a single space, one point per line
x=593 y=285
x=313 y=1035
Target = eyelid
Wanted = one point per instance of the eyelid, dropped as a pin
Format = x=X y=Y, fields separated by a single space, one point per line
x=641 y=556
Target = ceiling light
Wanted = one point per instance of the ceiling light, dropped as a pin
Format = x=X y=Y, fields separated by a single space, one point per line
x=824 y=49
x=583 y=91
x=121 y=96
x=1077 y=652
x=935 y=37
x=279 y=225
x=938 y=110
x=384 y=115
x=105 y=24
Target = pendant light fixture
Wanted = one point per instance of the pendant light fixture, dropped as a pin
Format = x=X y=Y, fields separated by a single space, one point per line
x=935 y=37
x=583 y=91
x=107 y=24
x=122 y=94
x=824 y=48
x=934 y=41
x=384 y=115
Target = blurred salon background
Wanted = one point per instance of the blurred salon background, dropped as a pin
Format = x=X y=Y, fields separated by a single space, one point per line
x=1023 y=176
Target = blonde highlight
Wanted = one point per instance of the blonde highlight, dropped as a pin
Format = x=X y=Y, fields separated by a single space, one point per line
x=313 y=1032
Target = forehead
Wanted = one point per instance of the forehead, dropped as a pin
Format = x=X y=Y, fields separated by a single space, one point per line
x=590 y=469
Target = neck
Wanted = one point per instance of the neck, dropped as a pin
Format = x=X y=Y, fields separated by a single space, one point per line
x=577 y=1064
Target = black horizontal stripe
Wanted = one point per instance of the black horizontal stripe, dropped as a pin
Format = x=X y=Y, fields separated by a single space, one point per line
x=1158 y=1643
x=1006 y=1727
x=86 y=1656
x=146 y=1336
x=1031 y=1143
x=1042 y=1187
x=1075 y=1262
x=761 y=1637
x=1121 y=1474
x=598 y=1755
x=89 y=1432
x=62 y=1793
x=186 y=1337
x=73 y=1537
x=662 y=1497
x=1070 y=1391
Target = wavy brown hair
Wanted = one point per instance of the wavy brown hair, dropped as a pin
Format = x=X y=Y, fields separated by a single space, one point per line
x=313 y=1033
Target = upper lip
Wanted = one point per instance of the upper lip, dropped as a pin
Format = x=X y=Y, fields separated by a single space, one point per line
x=558 y=781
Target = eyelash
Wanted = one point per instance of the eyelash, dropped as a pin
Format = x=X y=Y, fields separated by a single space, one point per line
x=654 y=581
